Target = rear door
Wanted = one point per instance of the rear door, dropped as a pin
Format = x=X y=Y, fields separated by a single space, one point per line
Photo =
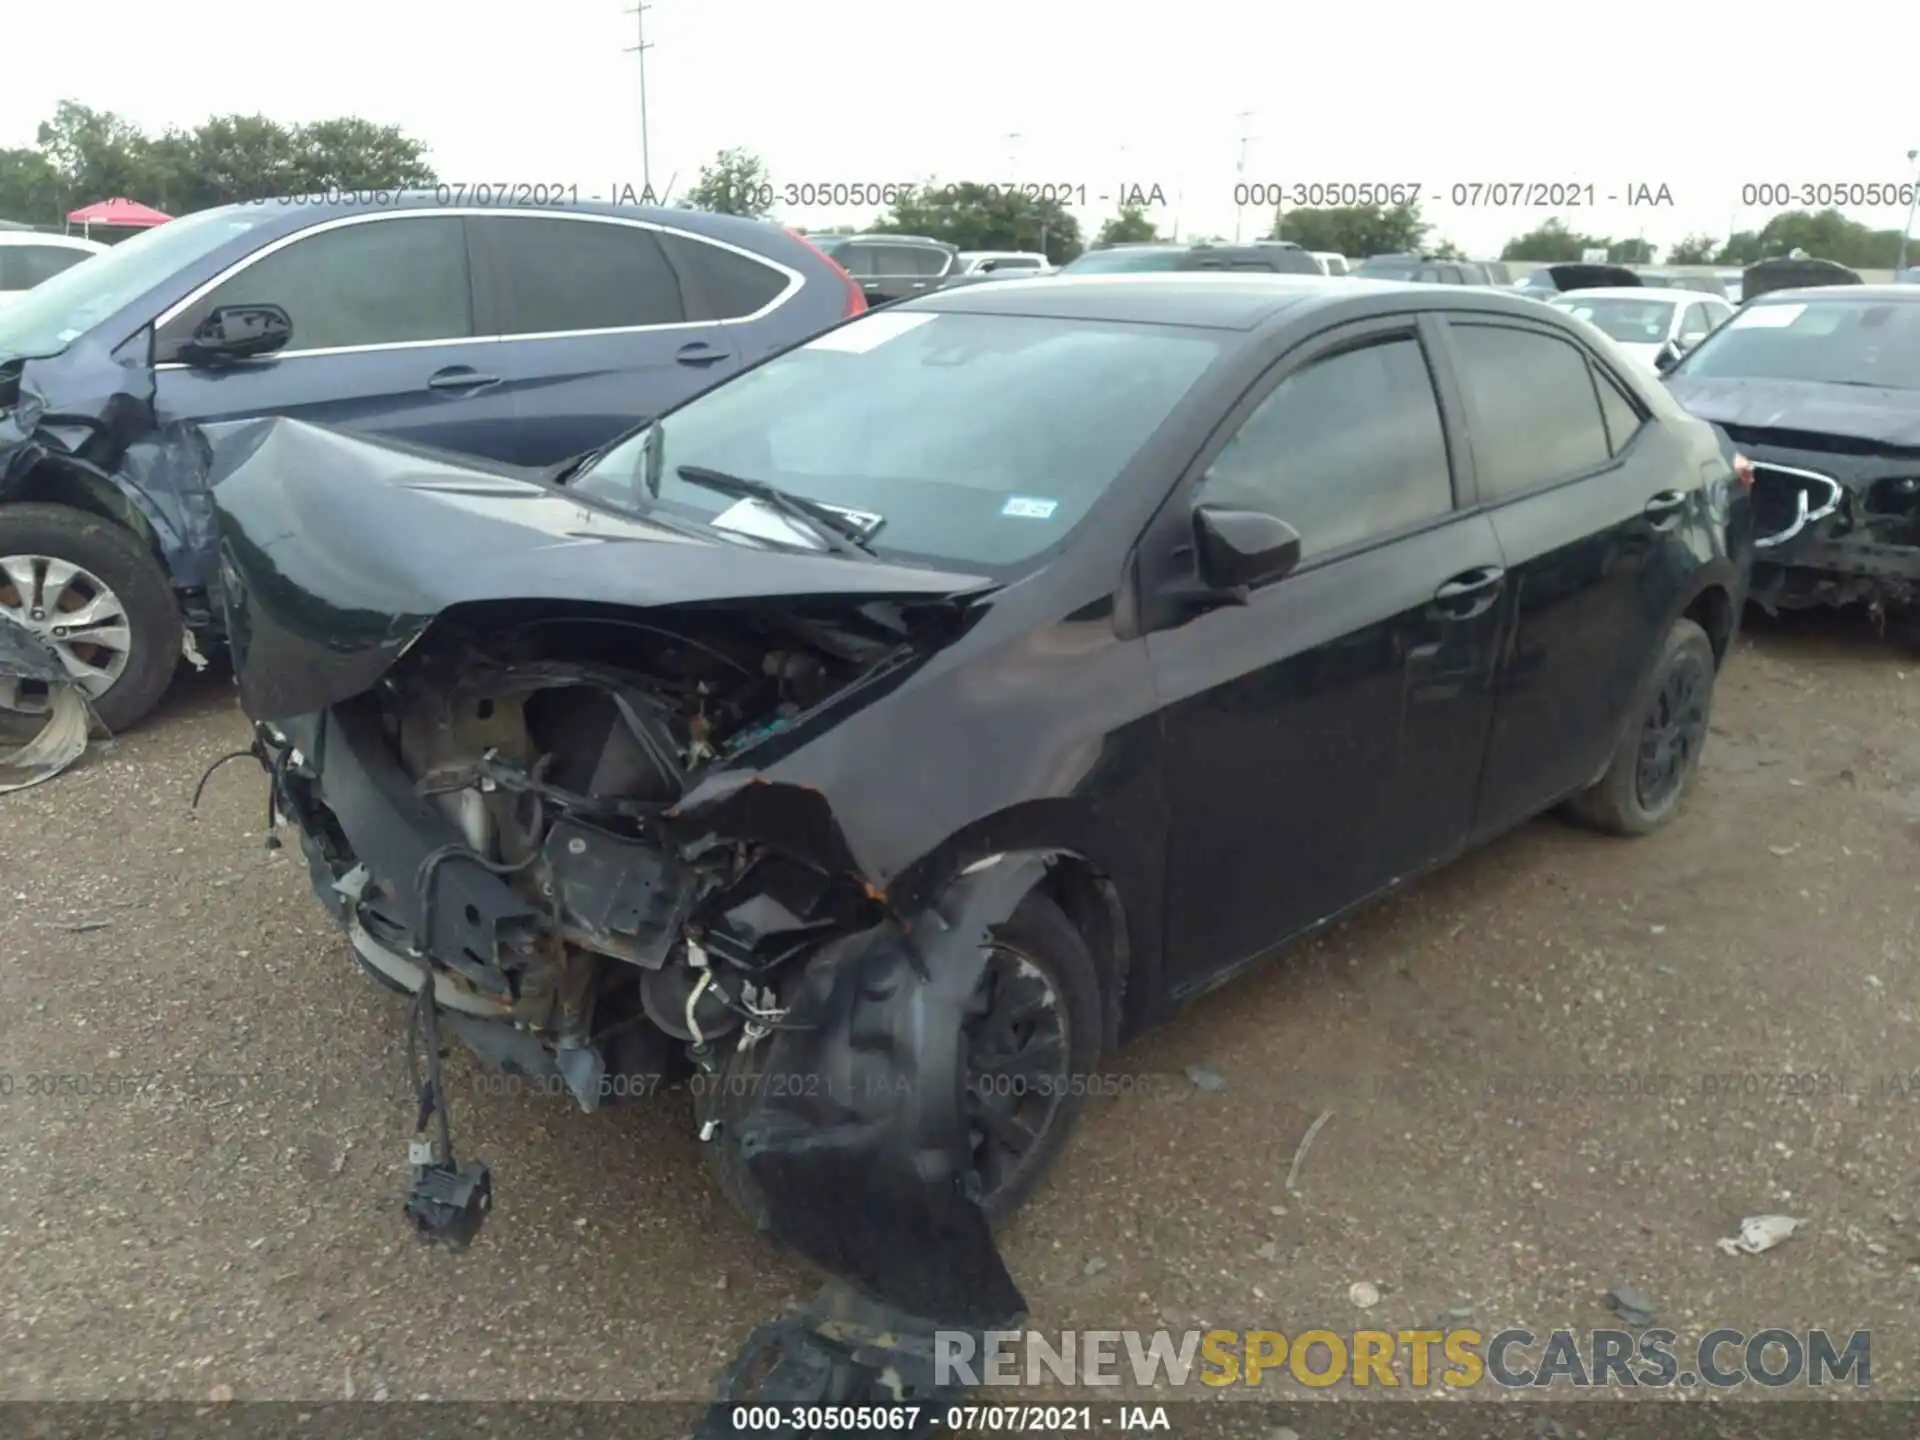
x=1580 y=485
x=384 y=338
x=600 y=330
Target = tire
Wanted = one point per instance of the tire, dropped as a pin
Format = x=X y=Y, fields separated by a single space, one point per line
x=117 y=558
x=1038 y=934
x=1621 y=802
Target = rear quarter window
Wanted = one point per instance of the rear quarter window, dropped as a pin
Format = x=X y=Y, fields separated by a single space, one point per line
x=733 y=285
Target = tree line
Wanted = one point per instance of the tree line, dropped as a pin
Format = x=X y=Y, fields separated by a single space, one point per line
x=83 y=155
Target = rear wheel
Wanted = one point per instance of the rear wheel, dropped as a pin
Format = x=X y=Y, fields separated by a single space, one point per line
x=1660 y=754
x=90 y=590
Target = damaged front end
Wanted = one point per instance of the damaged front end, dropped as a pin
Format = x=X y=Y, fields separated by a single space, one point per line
x=1836 y=527
x=83 y=428
x=1836 y=490
x=507 y=803
x=513 y=825
x=551 y=822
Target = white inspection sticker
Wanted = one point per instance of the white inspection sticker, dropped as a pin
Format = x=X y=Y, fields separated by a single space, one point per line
x=1025 y=507
x=1766 y=317
x=859 y=336
x=755 y=518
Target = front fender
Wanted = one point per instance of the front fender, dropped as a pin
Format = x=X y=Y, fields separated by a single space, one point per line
x=857 y=1141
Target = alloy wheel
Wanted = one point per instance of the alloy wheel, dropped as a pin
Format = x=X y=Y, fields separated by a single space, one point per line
x=1015 y=1037
x=1675 y=729
x=75 y=613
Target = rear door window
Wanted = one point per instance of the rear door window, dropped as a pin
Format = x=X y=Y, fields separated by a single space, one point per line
x=734 y=285
x=1533 y=415
x=395 y=280
x=560 y=275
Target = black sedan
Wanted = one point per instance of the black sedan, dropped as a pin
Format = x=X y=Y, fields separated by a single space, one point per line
x=882 y=738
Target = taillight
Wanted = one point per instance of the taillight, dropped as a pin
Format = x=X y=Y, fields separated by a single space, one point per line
x=1743 y=470
x=856 y=297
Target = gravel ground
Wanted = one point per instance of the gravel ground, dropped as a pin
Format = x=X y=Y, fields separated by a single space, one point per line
x=206 y=1237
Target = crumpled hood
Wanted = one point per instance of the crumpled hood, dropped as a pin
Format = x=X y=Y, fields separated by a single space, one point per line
x=337 y=552
x=1882 y=417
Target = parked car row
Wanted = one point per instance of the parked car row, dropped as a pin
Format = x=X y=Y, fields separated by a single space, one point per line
x=633 y=608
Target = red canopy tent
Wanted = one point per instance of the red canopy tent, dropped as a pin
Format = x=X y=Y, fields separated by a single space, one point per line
x=129 y=214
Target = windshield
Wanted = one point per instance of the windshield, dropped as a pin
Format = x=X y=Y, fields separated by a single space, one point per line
x=1115 y=262
x=49 y=317
x=979 y=439
x=1631 y=322
x=1838 y=342
x=1388 y=269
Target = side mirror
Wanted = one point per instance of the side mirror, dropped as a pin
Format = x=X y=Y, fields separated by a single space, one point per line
x=1242 y=549
x=1668 y=356
x=239 y=332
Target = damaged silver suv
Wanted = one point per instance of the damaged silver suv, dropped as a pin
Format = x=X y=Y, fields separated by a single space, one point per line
x=889 y=733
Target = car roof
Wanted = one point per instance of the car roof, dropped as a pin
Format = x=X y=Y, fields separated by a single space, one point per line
x=41 y=237
x=1899 y=294
x=1625 y=292
x=1232 y=300
x=294 y=213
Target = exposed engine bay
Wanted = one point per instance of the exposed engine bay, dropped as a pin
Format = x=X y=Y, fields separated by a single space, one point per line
x=558 y=750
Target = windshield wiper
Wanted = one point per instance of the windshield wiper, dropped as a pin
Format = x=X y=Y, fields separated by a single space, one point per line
x=839 y=534
x=564 y=471
x=650 y=459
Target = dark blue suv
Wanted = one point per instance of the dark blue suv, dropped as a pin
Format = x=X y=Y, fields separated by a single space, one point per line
x=526 y=334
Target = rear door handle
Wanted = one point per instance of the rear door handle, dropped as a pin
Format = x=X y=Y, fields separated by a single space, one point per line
x=1471 y=594
x=1663 y=510
x=460 y=377
x=699 y=353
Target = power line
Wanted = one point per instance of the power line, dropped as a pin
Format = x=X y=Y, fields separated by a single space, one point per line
x=640 y=48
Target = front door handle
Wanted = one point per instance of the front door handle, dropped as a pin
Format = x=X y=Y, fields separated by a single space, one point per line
x=1663 y=510
x=1470 y=594
x=460 y=377
x=699 y=353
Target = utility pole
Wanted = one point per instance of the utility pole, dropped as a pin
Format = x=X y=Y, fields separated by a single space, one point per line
x=1240 y=209
x=640 y=48
x=1014 y=137
x=1907 y=229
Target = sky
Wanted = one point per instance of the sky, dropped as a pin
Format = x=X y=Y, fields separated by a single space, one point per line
x=1087 y=98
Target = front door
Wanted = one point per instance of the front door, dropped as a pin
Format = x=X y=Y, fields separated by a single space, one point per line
x=384 y=339
x=1325 y=738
